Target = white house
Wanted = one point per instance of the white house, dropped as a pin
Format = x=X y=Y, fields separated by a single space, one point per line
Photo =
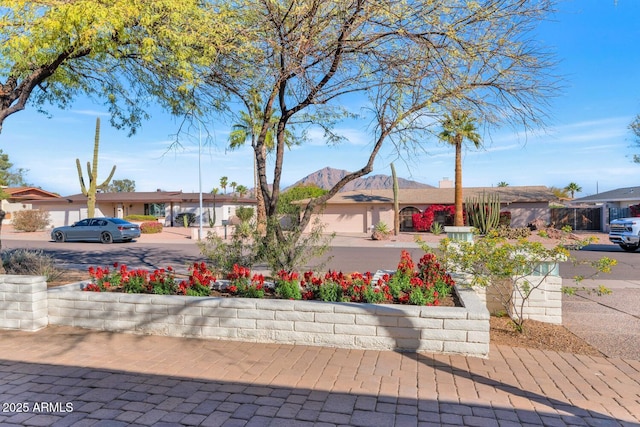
x=164 y=205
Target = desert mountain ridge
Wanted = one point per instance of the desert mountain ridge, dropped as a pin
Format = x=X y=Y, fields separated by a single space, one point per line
x=327 y=177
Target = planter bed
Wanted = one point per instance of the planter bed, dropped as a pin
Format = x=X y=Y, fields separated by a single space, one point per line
x=461 y=330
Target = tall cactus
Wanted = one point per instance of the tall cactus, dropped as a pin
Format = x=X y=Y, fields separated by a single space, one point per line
x=93 y=188
x=483 y=212
x=396 y=203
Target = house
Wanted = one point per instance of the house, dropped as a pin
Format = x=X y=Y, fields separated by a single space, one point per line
x=614 y=203
x=164 y=205
x=21 y=198
x=360 y=211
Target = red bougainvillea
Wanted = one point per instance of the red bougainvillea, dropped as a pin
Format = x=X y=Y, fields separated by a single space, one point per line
x=422 y=221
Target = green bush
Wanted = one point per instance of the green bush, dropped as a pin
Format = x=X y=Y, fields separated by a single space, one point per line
x=186 y=219
x=31 y=220
x=151 y=227
x=139 y=218
x=244 y=213
x=31 y=263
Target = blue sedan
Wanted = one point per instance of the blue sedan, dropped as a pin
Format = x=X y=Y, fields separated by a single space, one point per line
x=104 y=230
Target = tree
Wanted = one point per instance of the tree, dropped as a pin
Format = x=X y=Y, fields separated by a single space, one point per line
x=242 y=190
x=573 y=188
x=247 y=128
x=635 y=129
x=456 y=127
x=53 y=51
x=9 y=176
x=286 y=202
x=513 y=271
x=503 y=184
x=233 y=186
x=413 y=60
x=92 y=173
x=223 y=183
x=122 y=186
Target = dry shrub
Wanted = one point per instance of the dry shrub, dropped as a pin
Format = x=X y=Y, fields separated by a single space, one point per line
x=31 y=263
x=30 y=220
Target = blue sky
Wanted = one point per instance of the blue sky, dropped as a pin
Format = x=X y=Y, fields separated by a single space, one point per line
x=586 y=141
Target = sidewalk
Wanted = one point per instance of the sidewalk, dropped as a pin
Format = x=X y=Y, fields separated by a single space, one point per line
x=87 y=378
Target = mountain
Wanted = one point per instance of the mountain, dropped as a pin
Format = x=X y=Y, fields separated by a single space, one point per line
x=328 y=177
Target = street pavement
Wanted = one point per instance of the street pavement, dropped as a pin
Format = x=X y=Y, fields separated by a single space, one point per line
x=66 y=376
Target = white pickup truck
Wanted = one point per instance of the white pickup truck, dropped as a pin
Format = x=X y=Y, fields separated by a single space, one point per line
x=626 y=233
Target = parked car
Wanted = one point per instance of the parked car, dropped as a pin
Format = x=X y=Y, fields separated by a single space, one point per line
x=626 y=233
x=105 y=230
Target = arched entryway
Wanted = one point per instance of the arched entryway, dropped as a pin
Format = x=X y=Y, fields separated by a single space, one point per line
x=406 y=220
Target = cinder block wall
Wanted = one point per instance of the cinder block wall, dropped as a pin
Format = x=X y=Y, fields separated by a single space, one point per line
x=545 y=302
x=23 y=302
x=28 y=305
x=462 y=330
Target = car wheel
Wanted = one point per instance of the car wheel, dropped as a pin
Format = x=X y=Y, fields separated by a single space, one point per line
x=106 y=237
x=58 y=236
x=629 y=248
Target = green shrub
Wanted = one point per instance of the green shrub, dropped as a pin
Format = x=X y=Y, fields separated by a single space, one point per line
x=139 y=218
x=436 y=228
x=244 y=213
x=31 y=263
x=382 y=227
x=31 y=220
x=185 y=219
x=151 y=227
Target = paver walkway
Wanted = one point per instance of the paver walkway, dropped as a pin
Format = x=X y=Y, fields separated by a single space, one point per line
x=101 y=378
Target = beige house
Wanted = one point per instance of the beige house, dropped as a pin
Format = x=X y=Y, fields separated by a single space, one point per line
x=21 y=198
x=164 y=205
x=360 y=211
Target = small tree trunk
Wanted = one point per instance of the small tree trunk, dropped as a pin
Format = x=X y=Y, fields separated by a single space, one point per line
x=2 y=215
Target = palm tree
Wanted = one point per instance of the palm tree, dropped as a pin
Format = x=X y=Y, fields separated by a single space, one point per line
x=248 y=129
x=242 y=190
x=573 y=188
x=223 y=183
x=233 y=186
x=457 y=127
x=503 y=184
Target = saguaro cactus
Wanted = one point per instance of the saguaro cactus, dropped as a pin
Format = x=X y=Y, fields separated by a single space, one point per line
x=92 y=171
x=483 y=212
x=396 y=203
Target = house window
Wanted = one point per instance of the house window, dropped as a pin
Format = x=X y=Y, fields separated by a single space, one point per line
x=406 y=218
x=154 y=209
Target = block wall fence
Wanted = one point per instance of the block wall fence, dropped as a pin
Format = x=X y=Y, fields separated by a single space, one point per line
x=26 y=304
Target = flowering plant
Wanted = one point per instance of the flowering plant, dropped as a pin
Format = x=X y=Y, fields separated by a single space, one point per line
x=424 y=285
x=199 y=283
x=287 y=285
x=423 y=221
x=240 y=285
x=161 y=281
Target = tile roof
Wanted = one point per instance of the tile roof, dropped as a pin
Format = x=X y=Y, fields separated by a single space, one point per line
x=156 y=197
x=29 y=193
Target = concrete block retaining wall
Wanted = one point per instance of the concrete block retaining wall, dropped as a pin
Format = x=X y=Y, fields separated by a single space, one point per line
x=23 y=302
x=462 y=330
x=544 y=304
